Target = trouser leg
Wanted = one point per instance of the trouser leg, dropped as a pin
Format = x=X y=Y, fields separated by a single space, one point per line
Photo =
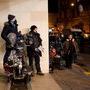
x=30 y=56
x=5 y=59
x=7 y=54
x=31 y=62
x=37 y=62
x=69 y=61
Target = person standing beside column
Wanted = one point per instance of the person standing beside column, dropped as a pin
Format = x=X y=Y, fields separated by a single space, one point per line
x=34 y=40
x=9 y=27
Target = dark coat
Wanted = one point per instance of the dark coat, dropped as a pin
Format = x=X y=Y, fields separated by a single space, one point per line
x=70 y=47
x=36 y=40
x=8 y=28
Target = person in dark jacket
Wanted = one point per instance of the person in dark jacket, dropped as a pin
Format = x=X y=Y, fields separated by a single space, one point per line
x=9 y=27
x=70 y=48
x=34 y=42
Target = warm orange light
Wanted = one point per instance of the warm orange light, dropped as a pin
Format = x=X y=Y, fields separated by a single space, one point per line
x=86 y=36
x=72 y=4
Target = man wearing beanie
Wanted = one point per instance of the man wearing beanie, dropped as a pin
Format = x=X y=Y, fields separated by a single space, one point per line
x=9 y=27
x=11 y=17
x=34 y=41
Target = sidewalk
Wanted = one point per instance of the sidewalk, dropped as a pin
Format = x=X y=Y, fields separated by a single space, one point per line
x=45 y=82
x=72 y=79
x=84 y=62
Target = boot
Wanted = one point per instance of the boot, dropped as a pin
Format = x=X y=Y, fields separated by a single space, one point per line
x=40 y=73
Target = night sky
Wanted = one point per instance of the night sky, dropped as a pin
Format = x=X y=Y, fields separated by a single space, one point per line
x=53 y=5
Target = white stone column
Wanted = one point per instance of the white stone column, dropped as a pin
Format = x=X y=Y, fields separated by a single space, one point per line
x=30 y=12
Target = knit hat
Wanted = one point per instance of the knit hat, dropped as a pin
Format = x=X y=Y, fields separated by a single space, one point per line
x=11 y=17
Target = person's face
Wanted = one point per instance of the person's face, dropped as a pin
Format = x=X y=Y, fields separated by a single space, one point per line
x=13 y=20
x=70 y=37
x=61 y=27
x=35 y=30
x=19 y=32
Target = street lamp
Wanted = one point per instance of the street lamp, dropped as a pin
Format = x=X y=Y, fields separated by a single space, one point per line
x=72 y=4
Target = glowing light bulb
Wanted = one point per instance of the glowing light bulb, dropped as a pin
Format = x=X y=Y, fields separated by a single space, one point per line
x=72 y=4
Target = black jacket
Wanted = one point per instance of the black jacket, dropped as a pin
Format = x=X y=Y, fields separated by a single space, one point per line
x=36 y=40
x=8 y=28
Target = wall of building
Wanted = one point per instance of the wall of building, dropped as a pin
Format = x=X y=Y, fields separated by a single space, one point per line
x=28 y=12
x=85 y=20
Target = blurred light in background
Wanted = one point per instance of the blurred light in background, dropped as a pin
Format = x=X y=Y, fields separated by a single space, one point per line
x=86 y=35
x=72 y=4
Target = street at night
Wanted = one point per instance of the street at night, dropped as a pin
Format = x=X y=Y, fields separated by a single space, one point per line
x=77 y=78
x=45 y=45
x=67 y=79
x=71 y=17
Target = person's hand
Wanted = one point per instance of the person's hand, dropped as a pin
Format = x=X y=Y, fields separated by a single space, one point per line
x=36 y=49
x=41 y=49
x=5 y=64
x=30 y=42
